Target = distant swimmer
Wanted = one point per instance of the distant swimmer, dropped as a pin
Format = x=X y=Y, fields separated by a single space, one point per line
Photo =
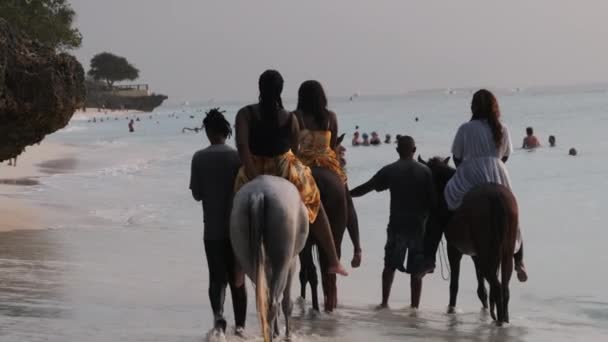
x=417 y=119
x=387 y=139
x=375 y=140
x=195 y=129
x=356 y=139
x=573 y=152
x=552 y=140
x=365 y=140
x=131 y=128
x=530 y=141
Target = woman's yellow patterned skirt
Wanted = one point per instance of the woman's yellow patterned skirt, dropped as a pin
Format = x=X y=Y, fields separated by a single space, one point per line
x=287 y=166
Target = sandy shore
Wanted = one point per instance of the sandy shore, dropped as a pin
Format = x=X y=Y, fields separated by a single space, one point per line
x=37 y=161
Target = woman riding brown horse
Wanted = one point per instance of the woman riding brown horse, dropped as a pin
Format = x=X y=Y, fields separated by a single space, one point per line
x=485 y=226
x=318 y=142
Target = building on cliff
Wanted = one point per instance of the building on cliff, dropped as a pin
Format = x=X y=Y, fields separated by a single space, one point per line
x=129 y=96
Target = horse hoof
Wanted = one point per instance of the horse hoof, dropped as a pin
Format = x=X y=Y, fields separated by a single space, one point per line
x=216 y=335
x=220 y=325
x=240 y=332
x=451 y=310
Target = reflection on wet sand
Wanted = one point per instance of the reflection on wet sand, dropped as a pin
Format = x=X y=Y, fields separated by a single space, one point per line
x=30 y=282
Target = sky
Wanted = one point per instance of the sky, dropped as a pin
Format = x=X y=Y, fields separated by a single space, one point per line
x=198 y=50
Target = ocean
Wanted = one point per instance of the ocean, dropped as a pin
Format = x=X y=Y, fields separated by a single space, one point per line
x=123 y=260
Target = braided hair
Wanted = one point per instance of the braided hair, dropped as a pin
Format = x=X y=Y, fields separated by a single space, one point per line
x=312 y=100
x=485 y=106
x=215 y=121
x=271 y=87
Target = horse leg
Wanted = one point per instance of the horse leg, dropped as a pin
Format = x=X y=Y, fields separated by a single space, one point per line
x=333 y=279
x=496 y=296
x=482 y=293
x=506 y=271
x=325 y=282
x=306 y=262
x=314 y=284
x=454 y=257
x=287 y=304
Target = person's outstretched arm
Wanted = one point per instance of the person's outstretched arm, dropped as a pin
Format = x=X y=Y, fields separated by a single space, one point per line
x=363 y=189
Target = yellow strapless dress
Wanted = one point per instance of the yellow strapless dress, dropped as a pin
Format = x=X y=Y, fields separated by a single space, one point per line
x=315 y=151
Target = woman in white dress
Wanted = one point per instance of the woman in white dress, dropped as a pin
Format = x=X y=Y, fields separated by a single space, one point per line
x=480 y=150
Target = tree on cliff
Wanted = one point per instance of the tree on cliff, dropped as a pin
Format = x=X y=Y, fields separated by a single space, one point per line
x=48 y=21
x=111 y=68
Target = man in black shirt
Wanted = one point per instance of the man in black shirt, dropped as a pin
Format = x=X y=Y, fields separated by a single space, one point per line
x=212 y=181
x=412 y=196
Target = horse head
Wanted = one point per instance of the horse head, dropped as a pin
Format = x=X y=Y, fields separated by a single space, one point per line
x=441 y=169
x=341 y=150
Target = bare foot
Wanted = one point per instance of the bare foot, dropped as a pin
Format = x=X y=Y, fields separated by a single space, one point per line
x=337 y=269
x=522 y=275
x=356 y=262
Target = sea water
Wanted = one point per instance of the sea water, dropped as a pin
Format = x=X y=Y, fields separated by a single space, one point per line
x=124 y=260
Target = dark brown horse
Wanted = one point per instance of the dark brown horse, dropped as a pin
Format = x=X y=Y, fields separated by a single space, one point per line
x=341 y=214
x=485 y=227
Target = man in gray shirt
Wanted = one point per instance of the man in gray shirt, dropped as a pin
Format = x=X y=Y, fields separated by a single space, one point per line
x=412 y=196
x=212 y=182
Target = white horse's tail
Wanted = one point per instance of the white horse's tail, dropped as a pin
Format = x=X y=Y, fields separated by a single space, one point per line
x=256 y=244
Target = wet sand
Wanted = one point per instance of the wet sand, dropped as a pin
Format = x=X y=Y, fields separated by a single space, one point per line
x=37 y=161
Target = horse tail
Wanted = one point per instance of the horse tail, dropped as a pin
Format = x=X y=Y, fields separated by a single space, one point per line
x=256 y=242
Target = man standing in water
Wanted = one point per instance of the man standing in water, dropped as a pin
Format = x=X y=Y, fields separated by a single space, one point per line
x=212 y=180
x=412 y=196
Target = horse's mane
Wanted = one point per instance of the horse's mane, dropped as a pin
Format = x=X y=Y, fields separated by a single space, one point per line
x=441 y=170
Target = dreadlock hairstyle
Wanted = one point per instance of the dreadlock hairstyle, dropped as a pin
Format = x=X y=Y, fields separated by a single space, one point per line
x=216 y=122
x=271 y=86
x=312 y=100
x=485 y=106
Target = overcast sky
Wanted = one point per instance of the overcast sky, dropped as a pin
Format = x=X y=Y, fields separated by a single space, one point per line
x=199 y=50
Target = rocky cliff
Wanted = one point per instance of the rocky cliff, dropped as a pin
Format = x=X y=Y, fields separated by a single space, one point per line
x=99 y=96
x=39 y=91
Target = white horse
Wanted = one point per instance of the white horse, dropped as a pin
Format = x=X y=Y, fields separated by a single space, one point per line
x=268 y=229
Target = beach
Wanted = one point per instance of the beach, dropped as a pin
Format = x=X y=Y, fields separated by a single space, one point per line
x=37 y=161
x=114 y=252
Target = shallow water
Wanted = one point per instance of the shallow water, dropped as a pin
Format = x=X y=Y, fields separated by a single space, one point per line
x=125 y=261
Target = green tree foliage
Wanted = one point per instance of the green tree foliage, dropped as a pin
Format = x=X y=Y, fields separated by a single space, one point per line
x=48 y=21
x=111 y=68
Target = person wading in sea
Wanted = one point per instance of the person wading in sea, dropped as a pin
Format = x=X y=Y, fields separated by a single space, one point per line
x=530 y=141
x=211 y=181
x=266 y=134
x=412 y=197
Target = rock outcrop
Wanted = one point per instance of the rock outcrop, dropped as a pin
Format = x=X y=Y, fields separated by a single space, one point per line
x=98 y=96
x=39 y=91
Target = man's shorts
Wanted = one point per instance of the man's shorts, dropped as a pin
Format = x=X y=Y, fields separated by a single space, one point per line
x=398 y=245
